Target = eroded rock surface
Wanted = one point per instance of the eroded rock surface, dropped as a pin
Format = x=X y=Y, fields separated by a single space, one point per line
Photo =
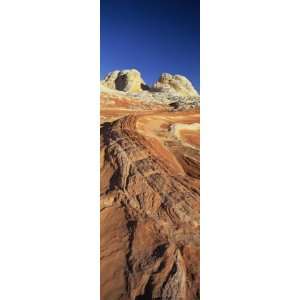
x=176 y=85
x=149 y=200
x=174 y=90
x=126 y=80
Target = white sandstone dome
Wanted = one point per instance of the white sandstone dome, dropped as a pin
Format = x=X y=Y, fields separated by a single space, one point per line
x=125 y=80
x=175 y=84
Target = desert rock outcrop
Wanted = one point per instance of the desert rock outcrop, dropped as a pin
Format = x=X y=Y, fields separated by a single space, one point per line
x=126 y=80
x=175 y=84
x=149 y=197
x=131 y=81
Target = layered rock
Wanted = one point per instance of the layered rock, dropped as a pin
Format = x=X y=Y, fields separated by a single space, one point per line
x=149 y=209
x=149 y=196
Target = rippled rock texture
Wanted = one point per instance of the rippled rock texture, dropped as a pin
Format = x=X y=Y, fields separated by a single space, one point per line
x=149 y=200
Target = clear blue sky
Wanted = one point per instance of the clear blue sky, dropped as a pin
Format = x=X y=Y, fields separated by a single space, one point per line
x=153 y=36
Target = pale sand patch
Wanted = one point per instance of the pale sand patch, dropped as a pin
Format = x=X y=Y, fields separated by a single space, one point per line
x=187 y=133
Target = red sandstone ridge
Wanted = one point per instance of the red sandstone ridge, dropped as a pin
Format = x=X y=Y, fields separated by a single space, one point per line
x=149 y=197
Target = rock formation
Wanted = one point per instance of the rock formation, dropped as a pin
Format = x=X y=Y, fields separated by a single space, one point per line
x=131 y=81
x=149 y=197
x=126 y=80
x=176 y=85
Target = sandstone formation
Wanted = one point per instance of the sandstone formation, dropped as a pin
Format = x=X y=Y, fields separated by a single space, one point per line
x=126 y=80
x=177 y=85
x=169 y=85
x=149 y=197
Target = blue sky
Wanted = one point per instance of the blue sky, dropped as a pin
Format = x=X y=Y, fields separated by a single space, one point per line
x=153 y=36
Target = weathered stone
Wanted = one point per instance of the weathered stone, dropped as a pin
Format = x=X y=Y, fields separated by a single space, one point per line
x=126 y=80
x=150 y=194
x=175 y=85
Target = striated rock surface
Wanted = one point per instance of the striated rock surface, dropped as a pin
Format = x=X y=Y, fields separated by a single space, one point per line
x=149 y=198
